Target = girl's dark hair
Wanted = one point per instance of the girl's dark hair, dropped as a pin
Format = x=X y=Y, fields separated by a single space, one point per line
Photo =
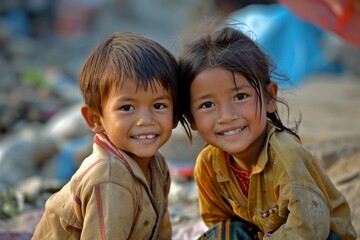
x=231 y=49
x=123 y=57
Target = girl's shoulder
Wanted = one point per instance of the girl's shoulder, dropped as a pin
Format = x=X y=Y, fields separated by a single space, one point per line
x=285 y=142
x=290 y=155
x=210 y=152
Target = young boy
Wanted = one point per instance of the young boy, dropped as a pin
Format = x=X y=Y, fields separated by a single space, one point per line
x=121 y=190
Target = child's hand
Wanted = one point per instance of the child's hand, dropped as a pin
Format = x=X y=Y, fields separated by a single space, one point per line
x=267 y=235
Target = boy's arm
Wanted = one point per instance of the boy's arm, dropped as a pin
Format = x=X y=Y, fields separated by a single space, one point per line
x=165 y=231
x=108 y=212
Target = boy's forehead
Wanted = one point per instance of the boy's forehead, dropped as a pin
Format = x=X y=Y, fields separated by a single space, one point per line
x=136 y=85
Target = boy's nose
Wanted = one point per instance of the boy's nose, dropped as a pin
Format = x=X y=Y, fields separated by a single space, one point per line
x=145 y=118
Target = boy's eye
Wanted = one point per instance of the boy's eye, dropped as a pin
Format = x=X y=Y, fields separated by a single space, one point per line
x=241 y=96
x=159 y=106
x=207 y=105
x=127 y=108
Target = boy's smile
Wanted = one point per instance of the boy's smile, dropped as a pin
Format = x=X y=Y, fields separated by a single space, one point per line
x=137 y=120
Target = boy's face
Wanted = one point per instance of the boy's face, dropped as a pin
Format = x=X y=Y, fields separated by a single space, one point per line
x=138 y=121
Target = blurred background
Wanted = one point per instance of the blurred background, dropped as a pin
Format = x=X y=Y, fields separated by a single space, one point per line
x=43 y=44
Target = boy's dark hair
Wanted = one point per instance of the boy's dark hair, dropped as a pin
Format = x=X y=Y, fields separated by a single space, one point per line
x=127 y=56
x=231 y=49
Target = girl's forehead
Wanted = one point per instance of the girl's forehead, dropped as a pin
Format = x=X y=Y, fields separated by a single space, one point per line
x=222 y=76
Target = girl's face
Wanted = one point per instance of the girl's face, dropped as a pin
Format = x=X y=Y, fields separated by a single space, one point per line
x=229 y=116
x=138 y=121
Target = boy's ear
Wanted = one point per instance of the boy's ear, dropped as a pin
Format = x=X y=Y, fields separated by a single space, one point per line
x=272 y=90
x=92 y=119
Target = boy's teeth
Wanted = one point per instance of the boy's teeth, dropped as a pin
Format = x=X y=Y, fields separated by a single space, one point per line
x=145 y=136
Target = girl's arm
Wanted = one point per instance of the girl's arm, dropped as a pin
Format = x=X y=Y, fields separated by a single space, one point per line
x=213 y=208
x=307 y=214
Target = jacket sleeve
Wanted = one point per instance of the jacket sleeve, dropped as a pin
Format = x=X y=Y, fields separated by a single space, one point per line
x=213 y=208
x=165 y=231
x=109 y=211
x=308 y=216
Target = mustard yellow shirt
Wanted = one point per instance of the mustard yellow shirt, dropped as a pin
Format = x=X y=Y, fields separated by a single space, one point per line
x=287 y=184
x=103 y=192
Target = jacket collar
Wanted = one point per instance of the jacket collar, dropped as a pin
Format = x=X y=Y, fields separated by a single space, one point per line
x=222 y=169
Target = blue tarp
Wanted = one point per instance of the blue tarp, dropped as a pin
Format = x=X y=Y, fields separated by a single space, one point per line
x=296 y=46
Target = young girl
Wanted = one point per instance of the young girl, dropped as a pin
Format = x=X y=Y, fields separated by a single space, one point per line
x=254 y=176
x=121 y=190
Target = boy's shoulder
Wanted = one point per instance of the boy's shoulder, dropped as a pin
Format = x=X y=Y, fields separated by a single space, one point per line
x=100 y=167
x=160 y=161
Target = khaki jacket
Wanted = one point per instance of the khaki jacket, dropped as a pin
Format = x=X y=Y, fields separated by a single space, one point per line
x=101 y=199
x=290 y=194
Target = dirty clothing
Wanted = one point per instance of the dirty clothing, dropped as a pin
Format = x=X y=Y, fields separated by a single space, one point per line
x=290 y=195
x=104 y=200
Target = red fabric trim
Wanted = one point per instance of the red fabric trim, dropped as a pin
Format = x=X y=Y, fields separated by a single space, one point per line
x=75 y=198
x=243 y=177
x=100 y=212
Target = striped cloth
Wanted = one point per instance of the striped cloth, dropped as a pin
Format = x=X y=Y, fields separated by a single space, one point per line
x=231 y=229
x=235 y=229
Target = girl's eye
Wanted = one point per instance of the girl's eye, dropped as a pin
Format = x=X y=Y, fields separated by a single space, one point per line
x=127 y=108
x=241 y=96
x=159 y=106
x=207 y=105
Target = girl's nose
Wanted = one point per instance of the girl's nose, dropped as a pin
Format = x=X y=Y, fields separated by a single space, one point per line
x=226 y=114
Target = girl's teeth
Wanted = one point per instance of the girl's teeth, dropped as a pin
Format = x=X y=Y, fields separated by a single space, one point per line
x=231 y=132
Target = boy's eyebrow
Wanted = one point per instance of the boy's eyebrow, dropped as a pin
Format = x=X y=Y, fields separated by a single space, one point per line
x=163 y=97
x=128 y=99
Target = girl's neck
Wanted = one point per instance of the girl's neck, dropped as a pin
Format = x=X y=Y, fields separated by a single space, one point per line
x=246 y=161
x=246 y=166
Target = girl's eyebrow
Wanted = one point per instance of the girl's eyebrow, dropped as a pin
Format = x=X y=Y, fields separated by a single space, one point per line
x=241 y=86
x=233 y=89
x=199 y=98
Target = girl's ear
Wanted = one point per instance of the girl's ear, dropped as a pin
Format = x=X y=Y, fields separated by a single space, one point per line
x=193 y=124
x=272 y=90
x=175 y=123
x=92 y=119
x=191 y=121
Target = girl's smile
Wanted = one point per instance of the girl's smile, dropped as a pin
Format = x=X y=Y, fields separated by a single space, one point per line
x=227 y=113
